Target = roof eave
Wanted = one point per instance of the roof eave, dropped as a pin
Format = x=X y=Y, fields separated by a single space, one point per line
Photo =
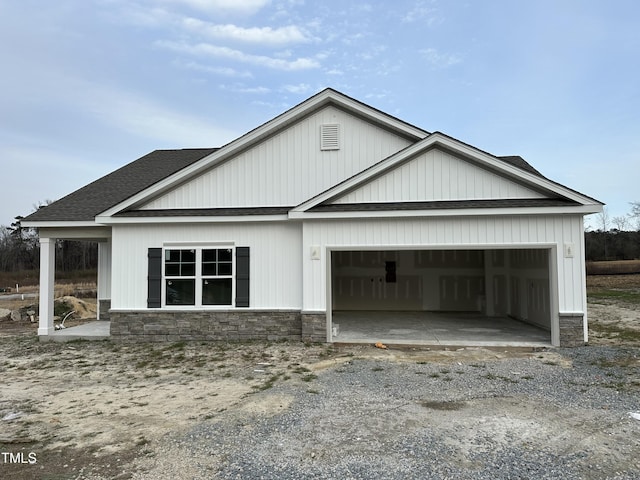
x=60 y=223
x=115 y=220
x=447 y=212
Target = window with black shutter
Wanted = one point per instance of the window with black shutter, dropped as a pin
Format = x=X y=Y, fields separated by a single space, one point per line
x=202 y=276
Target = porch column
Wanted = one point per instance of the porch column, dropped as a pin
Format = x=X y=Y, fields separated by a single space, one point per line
x=104 y=279
x=47 y=275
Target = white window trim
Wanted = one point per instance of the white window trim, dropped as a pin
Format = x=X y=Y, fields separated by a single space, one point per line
x=198 y=277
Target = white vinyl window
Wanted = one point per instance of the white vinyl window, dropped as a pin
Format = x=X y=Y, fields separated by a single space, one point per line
x=199 y=277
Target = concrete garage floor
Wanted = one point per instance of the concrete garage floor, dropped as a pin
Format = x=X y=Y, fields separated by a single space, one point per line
x=436 y=328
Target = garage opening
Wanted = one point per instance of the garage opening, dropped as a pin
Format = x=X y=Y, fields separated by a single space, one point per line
x=487 y=297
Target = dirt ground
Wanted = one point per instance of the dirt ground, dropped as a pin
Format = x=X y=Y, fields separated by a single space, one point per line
x=99 y=409
x=614 y=309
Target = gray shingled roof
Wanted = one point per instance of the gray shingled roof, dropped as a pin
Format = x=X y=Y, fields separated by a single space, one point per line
x=518 y=161
x=205 y=212
x=444 y=204
x=110 y=190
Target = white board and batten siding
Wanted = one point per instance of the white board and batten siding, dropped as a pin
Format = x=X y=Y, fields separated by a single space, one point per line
x=438 y=175
x=275 y=260
x=551 y=232
x=289 y=167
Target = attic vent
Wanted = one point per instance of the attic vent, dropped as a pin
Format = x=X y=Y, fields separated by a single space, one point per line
x=330 y=136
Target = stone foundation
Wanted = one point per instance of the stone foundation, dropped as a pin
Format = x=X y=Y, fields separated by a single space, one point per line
x=175 y=326
x=314 y=327
x=571 y=330
x=104 y=306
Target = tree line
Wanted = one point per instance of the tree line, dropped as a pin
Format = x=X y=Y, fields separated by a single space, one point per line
x=20 y=251
x=612 y=245
x=616 y=238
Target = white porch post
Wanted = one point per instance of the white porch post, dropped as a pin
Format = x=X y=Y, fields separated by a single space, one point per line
x=47 y=275
x=104 y=275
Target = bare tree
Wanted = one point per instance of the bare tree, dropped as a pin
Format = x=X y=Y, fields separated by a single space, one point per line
x=621 y=223
x=603 y=219
x=635 y=214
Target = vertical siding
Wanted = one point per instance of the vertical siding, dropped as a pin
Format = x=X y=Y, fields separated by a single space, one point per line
x=289 y=167
x=483 y=232
x=104 y=270
x=438 y=175
x=280 y=252
x=275 y=278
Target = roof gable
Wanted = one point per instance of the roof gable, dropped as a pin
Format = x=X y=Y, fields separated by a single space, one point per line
x=327 y=97
x=437 y=175
x=441 y=169
x=287 y=167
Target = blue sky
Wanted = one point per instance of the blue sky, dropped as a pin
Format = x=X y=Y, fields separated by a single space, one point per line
x=90 y=85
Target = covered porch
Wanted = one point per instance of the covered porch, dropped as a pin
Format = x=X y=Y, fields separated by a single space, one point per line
x=48 y=238
x=96 y=330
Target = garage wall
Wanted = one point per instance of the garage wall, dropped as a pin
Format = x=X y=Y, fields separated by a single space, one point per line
x=376 y=280
x=453 y=279
x=444 y=280
x=529 y=277
x=442 y=233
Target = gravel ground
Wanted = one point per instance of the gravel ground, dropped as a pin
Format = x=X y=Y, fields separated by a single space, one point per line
x=545 y=416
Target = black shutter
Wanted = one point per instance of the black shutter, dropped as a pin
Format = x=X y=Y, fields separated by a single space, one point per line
x=154 y=278
x=242 y=276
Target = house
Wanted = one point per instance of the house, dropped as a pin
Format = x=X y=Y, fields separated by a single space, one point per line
x=332 y=209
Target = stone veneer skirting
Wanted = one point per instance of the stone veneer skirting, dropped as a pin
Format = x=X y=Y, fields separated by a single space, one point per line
x=174 y=326
x=571 y=329
x=314 y=327
x=104 y=307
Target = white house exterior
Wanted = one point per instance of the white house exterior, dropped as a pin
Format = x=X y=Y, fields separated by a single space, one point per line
x=332 y=205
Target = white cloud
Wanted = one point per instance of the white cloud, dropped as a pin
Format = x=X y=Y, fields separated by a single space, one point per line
x=224 y=71
x=440 y=60
x=421 y=11
x=134 y=114
x=377 y=96
x=239 y=56
x=257 y=35
x=141 y=16
x=249 y=90
x=215 y=6
x=301 y=88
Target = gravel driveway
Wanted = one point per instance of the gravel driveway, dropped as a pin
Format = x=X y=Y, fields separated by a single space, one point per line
x=561 y=414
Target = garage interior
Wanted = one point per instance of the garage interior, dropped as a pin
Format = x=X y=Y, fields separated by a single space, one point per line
x=480 y=297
